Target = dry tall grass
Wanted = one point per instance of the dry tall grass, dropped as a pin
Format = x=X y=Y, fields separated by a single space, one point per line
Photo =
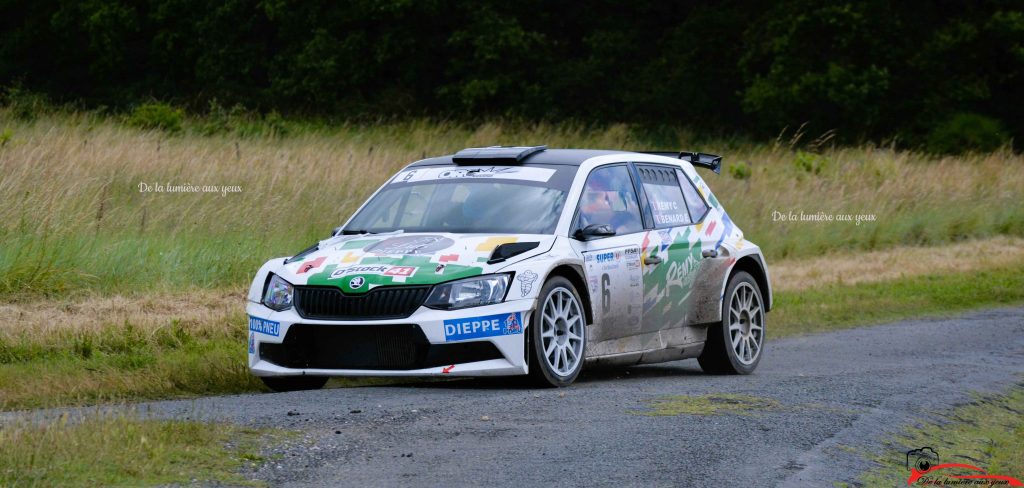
x=219 y=314
x=73 y=216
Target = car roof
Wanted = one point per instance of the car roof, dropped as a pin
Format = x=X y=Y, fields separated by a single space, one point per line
x=563 y=157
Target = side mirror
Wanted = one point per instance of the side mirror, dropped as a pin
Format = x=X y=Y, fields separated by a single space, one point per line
x=594 y=231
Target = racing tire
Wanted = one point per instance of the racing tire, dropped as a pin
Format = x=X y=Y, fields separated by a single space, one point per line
x=557 y=337
x=294 y=383
x=734 y=345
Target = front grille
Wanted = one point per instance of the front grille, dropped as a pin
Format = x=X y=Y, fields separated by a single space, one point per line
x=383 y=347
x=329 y=303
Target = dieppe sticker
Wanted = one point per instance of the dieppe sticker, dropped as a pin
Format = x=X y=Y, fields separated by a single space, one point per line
x=264 y=326
x=488 y=326
x=483 y=172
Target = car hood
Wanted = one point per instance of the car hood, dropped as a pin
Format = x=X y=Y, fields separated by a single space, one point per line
x=358 y=263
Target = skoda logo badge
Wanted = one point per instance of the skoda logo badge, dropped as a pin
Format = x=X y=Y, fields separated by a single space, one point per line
x=356 y=283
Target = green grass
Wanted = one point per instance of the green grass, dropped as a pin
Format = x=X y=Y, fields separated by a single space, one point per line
x=715 y=404
x=842 y=306
x=120 y=449
x=987 y=433
x=206 y=367
x=127 y=363
x=122 y=362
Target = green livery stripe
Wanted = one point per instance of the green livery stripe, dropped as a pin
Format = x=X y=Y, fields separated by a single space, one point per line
x=426 y=273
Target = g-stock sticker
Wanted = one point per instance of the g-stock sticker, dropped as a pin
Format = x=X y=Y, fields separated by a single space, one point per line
x=363 y=269
x=478 y=327
x=264 y=326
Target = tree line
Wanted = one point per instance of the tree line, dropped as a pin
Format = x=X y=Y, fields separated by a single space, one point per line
x=920 y=72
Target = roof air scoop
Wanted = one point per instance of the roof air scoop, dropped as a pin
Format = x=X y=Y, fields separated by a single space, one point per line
x=496 y=154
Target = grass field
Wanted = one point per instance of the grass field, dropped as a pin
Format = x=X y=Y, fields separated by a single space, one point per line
x=127 y=449
x=75 y=223
x=119 y=292
x=76 y=351
x=987 y=433
x=115 y=291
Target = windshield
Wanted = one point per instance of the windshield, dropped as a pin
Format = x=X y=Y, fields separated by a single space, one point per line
x=506 y=200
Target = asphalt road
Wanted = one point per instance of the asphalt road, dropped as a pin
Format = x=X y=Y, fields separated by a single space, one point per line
x=837 y=391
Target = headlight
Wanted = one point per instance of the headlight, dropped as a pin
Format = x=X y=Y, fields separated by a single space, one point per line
x=470 y=292
x=278 y=294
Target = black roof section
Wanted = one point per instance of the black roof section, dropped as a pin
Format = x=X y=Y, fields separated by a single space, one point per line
x=566 y=157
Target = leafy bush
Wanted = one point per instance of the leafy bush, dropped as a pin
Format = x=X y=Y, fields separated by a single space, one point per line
x=24 y=104
x=740 y=171
x=156 y=116
x=965 y=132
x=810 y=162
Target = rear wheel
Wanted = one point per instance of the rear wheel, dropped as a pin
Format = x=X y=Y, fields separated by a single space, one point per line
x=294 y=383
x=734 y=346
x=558 y=335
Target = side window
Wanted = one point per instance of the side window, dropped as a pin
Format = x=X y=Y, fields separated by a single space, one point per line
x=698 y=207
x=609 y=198
x=665 y=196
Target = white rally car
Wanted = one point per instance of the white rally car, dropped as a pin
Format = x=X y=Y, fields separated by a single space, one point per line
x=514 y=261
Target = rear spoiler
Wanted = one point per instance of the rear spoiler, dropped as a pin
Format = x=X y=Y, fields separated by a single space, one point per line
x=703 y=160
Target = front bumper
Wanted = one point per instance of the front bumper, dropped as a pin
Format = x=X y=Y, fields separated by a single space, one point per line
x=268 y=327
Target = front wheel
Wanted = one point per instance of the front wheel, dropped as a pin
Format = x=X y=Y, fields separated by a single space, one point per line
x=558 y=335
x=734 y=346
x=294 y=383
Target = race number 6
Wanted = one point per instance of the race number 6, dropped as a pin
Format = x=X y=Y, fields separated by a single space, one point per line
x=606 y=294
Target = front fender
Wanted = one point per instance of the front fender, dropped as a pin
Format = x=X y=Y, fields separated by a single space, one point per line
x=530 y=274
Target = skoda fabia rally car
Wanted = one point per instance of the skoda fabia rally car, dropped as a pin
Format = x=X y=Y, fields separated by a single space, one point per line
x=516 y=261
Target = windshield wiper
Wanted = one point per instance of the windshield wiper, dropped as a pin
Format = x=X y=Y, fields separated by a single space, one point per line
x=352 y=232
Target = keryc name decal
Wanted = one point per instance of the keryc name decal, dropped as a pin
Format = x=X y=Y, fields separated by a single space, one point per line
x=264 y=326
x=488 y=326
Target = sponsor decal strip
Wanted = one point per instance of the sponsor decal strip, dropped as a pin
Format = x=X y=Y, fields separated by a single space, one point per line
x=486 y=326
x=264 y=326
x=373 y=269
x=482 y=173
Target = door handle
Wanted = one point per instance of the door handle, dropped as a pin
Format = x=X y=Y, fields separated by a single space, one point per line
x=652 y=260
x=709 y=253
